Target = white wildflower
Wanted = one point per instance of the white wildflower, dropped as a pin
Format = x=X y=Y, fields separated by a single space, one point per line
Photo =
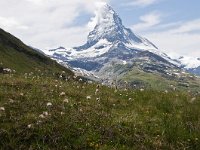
x=41 y=116
x=45 y=113
x=88 y=97
x=97 y=91
x=66 y=101
x=98 y=99
x=30 y=126
x=62 y=113
x=141 y=90
x=193 y=99
x=62 y=94
x=49 y=104
x=11 y=101
x=2 y=109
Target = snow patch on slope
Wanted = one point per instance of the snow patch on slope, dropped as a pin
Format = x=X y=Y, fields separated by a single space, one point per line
x=190 y=62
x=100 y=48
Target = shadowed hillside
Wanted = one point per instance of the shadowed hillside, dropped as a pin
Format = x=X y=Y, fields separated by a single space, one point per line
x=14 y=54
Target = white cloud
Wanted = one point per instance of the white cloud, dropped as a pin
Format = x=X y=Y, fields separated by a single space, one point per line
x=47 y=22
x=9 y=23
x=147 y=21
x=181 y=40
x=187 y=27
x=142 y=2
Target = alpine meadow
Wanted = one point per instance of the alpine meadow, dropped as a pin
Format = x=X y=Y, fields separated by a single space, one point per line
x=118 y=91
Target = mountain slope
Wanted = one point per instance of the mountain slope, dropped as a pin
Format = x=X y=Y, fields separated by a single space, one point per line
x=113 y=53
x=14 y=54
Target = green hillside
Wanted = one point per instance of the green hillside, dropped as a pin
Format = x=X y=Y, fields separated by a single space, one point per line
x=135 y=77
x=14 y=54
x=50 y=114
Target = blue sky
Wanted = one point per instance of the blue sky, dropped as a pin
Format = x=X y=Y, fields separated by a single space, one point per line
x=172 y=25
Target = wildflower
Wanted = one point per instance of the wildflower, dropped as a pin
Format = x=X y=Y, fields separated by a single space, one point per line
x=130 y=99
x=38 y=122
x=2 y=109
x=45 y=113
x=62 y=113
x=66 y=101
x=166 y=91
x=80 y=79
x=193 y=99
x=21 y=94
x=88 y=97
x=11 y=101
x=49 y=104
x=96 y=146
x=141 y=90
x=41 y=116
x=7 y=70
x=62 y=94
x=30 y=126
x=98 y=98
x=97 y=91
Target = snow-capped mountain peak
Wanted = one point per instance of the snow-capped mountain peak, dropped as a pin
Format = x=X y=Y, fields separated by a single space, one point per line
x=108 y=27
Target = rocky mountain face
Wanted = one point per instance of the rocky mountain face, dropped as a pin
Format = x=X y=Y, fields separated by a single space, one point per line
x=113 y=53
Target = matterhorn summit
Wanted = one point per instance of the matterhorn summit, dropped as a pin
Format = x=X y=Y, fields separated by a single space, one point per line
x=108 y=28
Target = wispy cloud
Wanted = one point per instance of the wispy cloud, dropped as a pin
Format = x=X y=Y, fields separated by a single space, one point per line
x=179 y=39
x=10 y=23
x=142 y=2
x=147 y=21
x=187 y=27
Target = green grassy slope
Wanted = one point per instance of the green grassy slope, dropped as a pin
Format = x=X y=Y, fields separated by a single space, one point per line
x=14 y=54
x=79 y=119
x=134 y=75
